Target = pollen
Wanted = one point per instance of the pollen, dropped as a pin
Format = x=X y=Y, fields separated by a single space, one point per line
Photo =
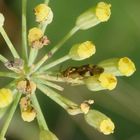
x=103 y=11
x=6 y=97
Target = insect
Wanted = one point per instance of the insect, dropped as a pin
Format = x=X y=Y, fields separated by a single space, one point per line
x=82 y=71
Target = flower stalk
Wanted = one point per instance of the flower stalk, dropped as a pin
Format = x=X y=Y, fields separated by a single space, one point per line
x=3 y=59
x=9 y=43
x=24 y=31
x=40 y=118
x=68 y=36
x=10 y=115
x=54 y=63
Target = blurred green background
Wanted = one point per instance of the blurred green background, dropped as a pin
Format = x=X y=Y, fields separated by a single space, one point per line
x=119 y=37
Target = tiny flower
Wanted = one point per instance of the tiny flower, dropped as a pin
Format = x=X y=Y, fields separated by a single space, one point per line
x=126 y=66
x=47 y=135
x=101 y=82
x=119 y=66
x=26 y=86
x=34 y=35
x=103 y=11
x=2 y=19
x=82 y=51
x=6 y=97
x=28 y=115
x=43 y=13
x=100 y=122
x=93 y=83
x=94 y=16
x=107 y=126
x=108 y=81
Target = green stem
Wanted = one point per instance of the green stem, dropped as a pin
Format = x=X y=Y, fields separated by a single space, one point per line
x=57 y=78
x=50 y=84
x=8 y=74
x=62 y=101
x=54 y=63
x=3 y=59
x=46 y=1
x=39 y=64
x=70 y=34
x=40 y=117
x=24 y=31
x=34 y=52
x=33 y=55
x=9 y=43
x=10 y=116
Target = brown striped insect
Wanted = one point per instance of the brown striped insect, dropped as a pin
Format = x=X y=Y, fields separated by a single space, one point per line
x=82 y=71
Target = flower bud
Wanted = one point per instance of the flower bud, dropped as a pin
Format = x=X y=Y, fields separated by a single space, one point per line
x=103 y=11
x=108 y=81
x=26 y=86
x=101 y=82
x=126 y=66
x=93 y=83
x=100 y=122
x=94 y=16
x=82 y=51
x=2 y=19
x=119 y=66
x=34 y=35
x=47 y=135
x=28 y=115
x=6 y=97
x=43 y=13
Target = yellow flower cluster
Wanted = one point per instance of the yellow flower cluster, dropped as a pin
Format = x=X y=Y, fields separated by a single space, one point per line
x=6 y=97
x=82 y=51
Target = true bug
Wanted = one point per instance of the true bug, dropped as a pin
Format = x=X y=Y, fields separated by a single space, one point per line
x=82 y=71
